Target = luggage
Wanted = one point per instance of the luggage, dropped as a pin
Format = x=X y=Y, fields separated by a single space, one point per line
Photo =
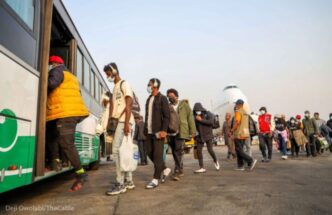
x=323 y=142
x=216 y=122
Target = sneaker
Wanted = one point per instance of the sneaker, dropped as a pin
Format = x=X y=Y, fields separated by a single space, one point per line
x=129 y=185
x=263 y=160
x=56 y=165
x=80 y=180
x=253 y=164
x=217 y=166
x=166 y=173
x=201 y=170
x=267 y=161
x=151 y=185
x=240 y=168
x=176 y=177
x=284 y=157
x=116 y=190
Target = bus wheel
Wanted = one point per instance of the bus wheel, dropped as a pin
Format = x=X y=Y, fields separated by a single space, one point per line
x=94 y=165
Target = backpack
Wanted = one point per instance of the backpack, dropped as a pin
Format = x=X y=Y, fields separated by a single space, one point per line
x=136 y=109
x=252 y=127
x=174 y=121
x=216 y=122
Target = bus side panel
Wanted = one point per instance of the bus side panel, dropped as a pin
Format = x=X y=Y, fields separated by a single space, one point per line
x=18 y=93
x=87 y=143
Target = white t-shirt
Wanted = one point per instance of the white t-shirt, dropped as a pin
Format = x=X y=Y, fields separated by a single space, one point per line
x=150 y=115
x=119 y=102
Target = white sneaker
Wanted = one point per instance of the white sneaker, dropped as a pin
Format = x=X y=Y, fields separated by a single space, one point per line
x=166 y=173
x=217 y=166
x=201 y=170
x=284 y=157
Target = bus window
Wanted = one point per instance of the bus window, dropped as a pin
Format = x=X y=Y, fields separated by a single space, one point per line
x=86 y=74
x=97 y=95
x=24 y=9
x=92 y=81
x=79 y=66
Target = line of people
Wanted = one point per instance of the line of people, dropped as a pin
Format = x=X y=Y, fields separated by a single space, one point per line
x=168 y=120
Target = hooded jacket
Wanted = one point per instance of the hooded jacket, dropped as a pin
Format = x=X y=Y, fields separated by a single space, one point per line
x=204 y=126
x=187 y=122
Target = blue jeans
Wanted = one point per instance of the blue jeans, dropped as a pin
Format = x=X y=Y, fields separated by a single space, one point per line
x=282 y=144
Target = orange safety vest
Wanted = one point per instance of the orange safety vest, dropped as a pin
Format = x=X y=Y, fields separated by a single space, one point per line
x=66 y=100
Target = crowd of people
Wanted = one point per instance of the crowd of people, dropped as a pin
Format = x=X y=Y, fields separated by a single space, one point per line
x=171 y=121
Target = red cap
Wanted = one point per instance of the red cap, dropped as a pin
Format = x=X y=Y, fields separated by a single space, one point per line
x=298 y=116
x=56 y=59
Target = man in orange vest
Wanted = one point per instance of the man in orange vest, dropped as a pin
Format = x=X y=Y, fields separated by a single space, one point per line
x=65 y=109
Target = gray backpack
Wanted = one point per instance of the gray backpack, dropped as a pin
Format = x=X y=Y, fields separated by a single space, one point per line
x=174 y=121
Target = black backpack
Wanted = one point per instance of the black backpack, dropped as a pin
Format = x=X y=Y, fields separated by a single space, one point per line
x=216 y=122
x=252 y=127
x=174 y=121
x=136 y=109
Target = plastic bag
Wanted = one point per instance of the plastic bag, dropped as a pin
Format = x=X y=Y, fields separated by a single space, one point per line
x=128 y=154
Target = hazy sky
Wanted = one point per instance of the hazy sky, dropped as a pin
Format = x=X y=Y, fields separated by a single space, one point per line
x=278 y=52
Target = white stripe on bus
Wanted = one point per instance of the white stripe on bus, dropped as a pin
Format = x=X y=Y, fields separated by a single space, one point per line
x=17 y=172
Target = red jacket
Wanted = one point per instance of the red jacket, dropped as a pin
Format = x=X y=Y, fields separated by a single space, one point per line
x=265 y=123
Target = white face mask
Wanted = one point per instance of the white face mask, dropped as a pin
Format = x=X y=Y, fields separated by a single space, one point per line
x=149 y=90
x=50 y=67
x=262 y=112
x=307 y=115
x=292 y=121
x=198 y=112
x=110 y=79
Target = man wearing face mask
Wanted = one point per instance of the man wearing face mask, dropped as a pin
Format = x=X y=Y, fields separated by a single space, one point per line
x=310 y=130
x=265 y=134
x=187 y=130
x=240 y=132
x=157 y=117
x=294 y=127
x=65 y=109
x=204 y=121
x=120 y=110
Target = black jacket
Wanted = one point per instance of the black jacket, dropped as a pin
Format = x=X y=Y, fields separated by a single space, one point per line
x=204 y=127
x=139 y=131
x=329 y=123
x=160 y=114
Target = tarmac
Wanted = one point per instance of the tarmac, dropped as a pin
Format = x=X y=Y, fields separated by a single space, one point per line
x=295 y=186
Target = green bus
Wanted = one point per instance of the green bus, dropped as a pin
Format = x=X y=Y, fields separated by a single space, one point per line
x=31 y=31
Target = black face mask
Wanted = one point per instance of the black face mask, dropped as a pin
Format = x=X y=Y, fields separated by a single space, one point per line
x=172 y=100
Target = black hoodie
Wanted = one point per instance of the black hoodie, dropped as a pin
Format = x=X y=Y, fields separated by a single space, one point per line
x=204 y=127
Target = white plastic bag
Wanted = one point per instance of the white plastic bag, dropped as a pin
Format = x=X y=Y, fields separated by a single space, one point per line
x=128 y=154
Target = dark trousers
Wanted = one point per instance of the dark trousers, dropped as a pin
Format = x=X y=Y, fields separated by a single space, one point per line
x=294 y=147
x=177 y=146
x=265 y=141
x=155 y=150
x=209 y=145
x=311 y=145
x=241 y=155
x=61 y=135
x=142 y=150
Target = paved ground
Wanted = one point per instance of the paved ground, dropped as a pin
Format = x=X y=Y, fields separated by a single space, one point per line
x=299 y=186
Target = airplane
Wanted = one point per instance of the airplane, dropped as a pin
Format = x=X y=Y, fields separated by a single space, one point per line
x=230 y=94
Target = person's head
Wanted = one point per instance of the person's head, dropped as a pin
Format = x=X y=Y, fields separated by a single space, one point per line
x=262 y=110
x=55 y=61
x=307 y=114
x=173 y=96
x=111 y=70
x=298 y=117
x=292 y=120
x=106 y=98
x=316 y=115
x=228 y=116
x=153 y=86
x=138 y=119
x=239 y=104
